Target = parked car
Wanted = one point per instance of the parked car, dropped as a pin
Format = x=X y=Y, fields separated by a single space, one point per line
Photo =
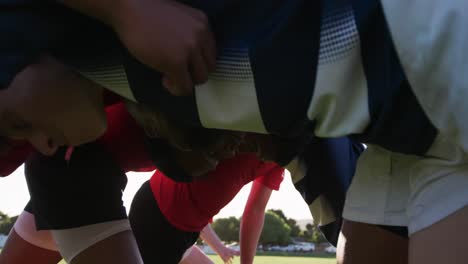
x=305 y=246
x=207 y=250
x=289 y=248
x=3 y=239
x=274 y=248
x=330 y=249
x=234 y=246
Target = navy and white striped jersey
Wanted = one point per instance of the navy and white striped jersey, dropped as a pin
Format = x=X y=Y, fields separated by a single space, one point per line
x=338 y=67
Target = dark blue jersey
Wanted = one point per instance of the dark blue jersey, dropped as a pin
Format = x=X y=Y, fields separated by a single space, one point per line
x=276 y=61
x=284 y=67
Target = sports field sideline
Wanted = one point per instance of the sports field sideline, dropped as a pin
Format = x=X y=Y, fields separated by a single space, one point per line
x=282 y=260
x=277 y=260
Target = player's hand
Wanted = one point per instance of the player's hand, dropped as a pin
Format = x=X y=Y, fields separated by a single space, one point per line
x=228 y=254
x=169 y=37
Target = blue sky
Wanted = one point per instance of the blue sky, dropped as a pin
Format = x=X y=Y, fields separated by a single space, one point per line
x=14 y=195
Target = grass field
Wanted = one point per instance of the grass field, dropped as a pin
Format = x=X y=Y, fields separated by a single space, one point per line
x=278 y=260
x=282 y=260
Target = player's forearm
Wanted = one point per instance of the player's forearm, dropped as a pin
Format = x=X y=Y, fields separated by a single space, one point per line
x=210 y=237
x=107 y=11
x=250 y=231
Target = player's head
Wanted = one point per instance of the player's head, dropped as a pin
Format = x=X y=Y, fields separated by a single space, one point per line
x=197 y=150
x=49 y=106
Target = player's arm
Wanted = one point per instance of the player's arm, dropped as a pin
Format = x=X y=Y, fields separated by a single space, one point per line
x=252 y=221
x=169 y=37
x=210 y=237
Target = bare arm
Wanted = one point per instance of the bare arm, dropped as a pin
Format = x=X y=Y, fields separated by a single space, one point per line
x=169 y=37
x=252 y=221
x=210 y=237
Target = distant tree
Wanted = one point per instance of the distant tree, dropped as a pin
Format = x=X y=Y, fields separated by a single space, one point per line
x=317 y=236
x=275 y=230
x=279 y=213
x=227 y=229
x=6 y=223
x=3 y=216
x=308 y=233
x=312 y=234
x=295 y=229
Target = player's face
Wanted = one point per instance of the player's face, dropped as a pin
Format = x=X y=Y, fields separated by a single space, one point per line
x=51 y=107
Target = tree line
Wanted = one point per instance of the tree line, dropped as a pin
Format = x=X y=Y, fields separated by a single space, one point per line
x=6 y=223
x=277 y=230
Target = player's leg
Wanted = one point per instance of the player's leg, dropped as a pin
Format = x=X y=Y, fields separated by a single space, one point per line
x=119 y=248
x=80 y=201
x=158 y=240
x=362 y=243
x=438 y=206
x=443 y=242
x=375 y=225
x=27 y=245
x=427 y=194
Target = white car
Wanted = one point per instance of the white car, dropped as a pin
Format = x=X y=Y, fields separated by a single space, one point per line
x=3 y=239
x=234 y=247
x=304 y=246
x=207 y=250
x=330 y=249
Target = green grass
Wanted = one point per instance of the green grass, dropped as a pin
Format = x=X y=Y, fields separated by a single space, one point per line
x=282 y=260
x=277 y=260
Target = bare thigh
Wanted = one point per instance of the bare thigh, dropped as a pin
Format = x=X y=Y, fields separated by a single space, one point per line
x=120 y=248
x=19 y=251
x=361 y=243
x=444 y=242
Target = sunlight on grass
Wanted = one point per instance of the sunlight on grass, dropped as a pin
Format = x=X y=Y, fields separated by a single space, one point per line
x=282 y=260
x=277 y=260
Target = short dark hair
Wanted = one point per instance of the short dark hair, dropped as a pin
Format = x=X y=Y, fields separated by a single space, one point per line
x=6 y=145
